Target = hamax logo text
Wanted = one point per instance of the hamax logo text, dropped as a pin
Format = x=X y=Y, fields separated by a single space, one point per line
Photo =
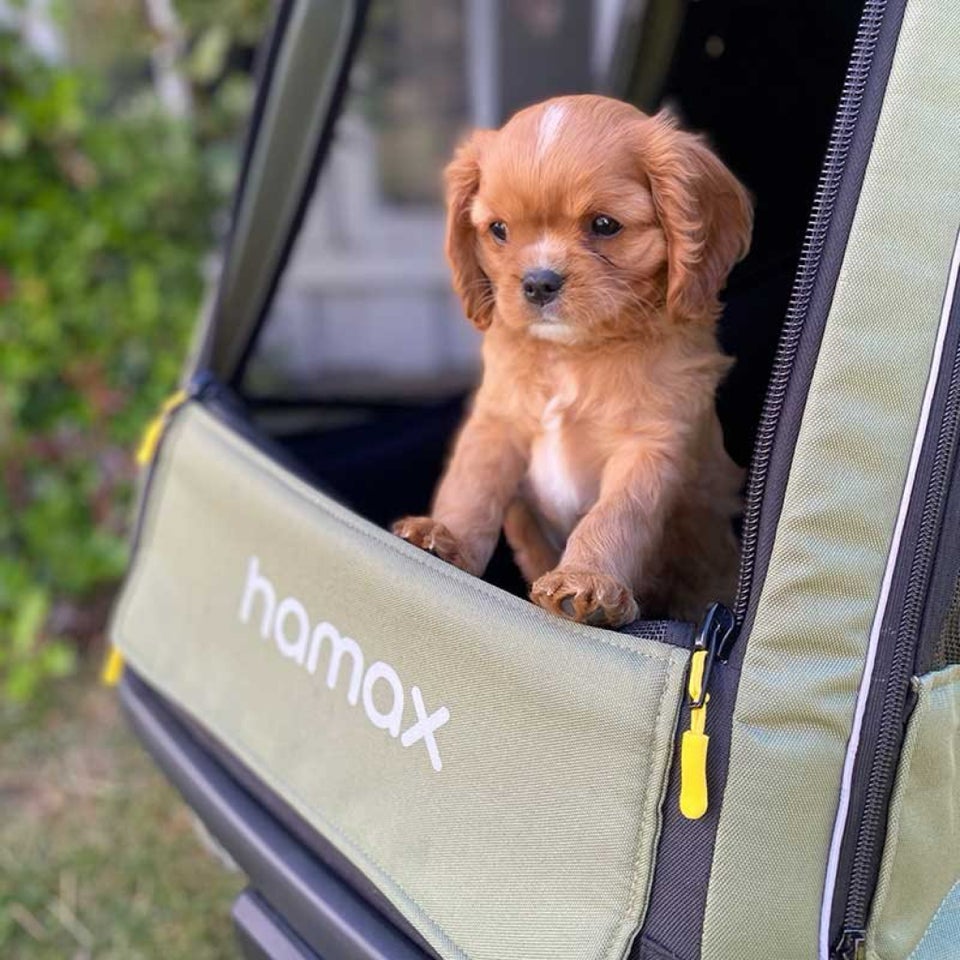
x=286 y=621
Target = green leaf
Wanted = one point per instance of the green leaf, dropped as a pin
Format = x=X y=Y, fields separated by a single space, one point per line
x=58 y=659
x=31 y=613
x=210 y=54
x=13 y=138
x=22 y=682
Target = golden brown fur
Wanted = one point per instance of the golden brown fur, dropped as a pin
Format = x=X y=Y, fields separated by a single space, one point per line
x=593 y=439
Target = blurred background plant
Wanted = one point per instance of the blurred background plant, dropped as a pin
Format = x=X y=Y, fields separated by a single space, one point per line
x=119 y=122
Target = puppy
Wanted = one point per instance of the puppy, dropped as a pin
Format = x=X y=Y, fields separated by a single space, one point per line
x=590 y=241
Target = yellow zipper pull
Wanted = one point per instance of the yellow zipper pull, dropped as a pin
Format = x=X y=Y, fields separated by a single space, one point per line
x=713 y=643
x=112 y=668
x=693 y=746
x=154 y=430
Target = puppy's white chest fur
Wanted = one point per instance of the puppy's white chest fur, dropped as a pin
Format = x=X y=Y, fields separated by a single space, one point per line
x=561 y=490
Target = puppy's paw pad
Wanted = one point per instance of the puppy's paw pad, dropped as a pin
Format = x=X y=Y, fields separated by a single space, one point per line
x=432 y=536
x=592 y=598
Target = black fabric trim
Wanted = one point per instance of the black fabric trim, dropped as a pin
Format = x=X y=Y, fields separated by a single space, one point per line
x=323 y=144
x=678 y=896
x=648 y=949
x=262 y=932
x=674 y=921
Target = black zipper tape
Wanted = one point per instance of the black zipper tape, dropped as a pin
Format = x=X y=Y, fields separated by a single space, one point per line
x=889 y=702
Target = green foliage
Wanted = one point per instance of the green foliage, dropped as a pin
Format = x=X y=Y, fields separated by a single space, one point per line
x=218 y=62
x=243 y=19
x=104 y=222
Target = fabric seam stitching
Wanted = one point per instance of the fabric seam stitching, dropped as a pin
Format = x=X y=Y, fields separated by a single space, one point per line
x=634 y=901
x=267 y=466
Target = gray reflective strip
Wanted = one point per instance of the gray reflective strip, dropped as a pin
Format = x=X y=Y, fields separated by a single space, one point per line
x=853 y=745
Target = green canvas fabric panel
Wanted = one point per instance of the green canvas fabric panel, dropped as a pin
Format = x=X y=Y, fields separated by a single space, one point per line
x=807 y=649
x=916 y=909
x=535 y=837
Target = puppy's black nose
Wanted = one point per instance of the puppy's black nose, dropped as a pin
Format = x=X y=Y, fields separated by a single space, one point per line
x=541 y=286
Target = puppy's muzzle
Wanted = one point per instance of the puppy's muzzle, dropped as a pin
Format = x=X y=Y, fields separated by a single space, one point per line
x=541 y=287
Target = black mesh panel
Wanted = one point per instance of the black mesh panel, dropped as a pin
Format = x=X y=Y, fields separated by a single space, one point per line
x=947 y=650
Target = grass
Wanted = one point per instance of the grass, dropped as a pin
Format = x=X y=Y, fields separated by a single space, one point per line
x=98 y=856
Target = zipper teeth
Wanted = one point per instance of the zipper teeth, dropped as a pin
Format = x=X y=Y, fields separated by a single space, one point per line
x=860 y=886
x=828 y=186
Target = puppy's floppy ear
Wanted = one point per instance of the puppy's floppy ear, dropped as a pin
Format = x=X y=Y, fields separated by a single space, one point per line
x=704 y=210
x=462 y=180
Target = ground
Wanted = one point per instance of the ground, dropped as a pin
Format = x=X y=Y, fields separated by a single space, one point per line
x=98 y=856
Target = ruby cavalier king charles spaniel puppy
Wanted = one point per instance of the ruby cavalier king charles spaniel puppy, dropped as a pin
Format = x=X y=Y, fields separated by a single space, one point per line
x=589 y=242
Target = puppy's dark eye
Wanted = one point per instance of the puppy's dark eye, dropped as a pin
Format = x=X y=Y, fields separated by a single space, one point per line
x=499 y=230
x=604 y=226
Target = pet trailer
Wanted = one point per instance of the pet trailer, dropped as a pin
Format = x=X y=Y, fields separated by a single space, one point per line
x=409 y=762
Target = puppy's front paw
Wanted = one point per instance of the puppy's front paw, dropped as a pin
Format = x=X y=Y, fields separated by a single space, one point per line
x=432 y=536
x=593 y=598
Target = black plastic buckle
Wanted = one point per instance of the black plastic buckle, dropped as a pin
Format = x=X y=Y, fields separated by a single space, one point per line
x=716 y=636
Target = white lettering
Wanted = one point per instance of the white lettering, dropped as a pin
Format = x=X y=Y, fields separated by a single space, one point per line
x=338 y=647
x=390 y=720
x=424 y=728
x=291 y=630
x=256 y=584
x=295 y=649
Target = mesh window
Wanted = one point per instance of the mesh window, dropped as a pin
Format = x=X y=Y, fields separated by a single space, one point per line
x=947 y=650
x=940 y=635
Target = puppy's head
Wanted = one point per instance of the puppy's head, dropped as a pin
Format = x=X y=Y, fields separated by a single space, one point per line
x=583 y=218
